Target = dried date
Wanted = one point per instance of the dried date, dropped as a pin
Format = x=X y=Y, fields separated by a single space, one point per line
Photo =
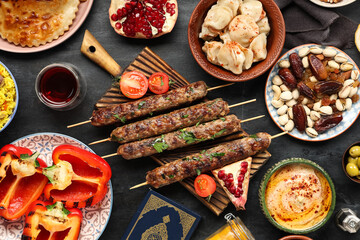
x=296 y=65
x=328 y=87
x=317 y=68
x=327 y=122
x=288 y=78
x=299 y=117
x=305 y=90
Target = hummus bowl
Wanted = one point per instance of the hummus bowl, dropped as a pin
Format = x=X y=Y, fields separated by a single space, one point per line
x=297 y=196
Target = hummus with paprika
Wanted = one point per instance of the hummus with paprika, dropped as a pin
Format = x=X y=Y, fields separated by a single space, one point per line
x=298 y=196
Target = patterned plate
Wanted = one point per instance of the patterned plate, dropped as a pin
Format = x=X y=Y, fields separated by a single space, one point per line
x=349 y=116
x=95 y=218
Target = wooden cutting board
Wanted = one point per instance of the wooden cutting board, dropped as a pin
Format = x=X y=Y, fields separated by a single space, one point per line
x=148 y=63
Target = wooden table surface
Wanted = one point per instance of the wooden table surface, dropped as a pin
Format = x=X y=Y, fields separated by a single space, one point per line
x=33 y=117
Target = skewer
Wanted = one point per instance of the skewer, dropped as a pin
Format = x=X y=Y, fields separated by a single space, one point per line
x=279 y=135
x=234 y=105
x=89 y=121
x=246 y=120
x=220 y=86
x=146 y=183
x=78 y=124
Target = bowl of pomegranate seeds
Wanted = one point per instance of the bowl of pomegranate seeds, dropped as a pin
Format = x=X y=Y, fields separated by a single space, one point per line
x=143 y=18
x=236 y=42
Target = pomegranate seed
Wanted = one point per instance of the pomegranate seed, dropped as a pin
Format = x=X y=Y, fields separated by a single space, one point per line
x=149 y=18
x=244 y=164
x=172 y=12
x=159 y=30
x=228 y=182
x=221 y=174
x=124 y=12
x=240 y=185
x=117 y=25
x=114 y=17
x=172 y=5
x=243 y=170
x=232 y=189
x=241 y=178
x=168 y=5
x=230 y=175
x=238 y=192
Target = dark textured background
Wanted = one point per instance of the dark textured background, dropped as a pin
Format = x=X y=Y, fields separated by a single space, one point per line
x=32 y=117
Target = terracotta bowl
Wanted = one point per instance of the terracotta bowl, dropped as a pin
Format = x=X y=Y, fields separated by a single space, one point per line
x=345 y=161
x=295 y=237
x=275 y=42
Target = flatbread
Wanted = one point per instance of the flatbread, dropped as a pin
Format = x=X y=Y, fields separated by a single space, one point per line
x=35 y=22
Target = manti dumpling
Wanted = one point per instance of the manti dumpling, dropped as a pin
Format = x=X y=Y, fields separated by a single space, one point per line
x=231 y=57
x=211 y=50
x=258 y=47
x=253 y=9
x=242 y=29
x=232 y=4
x=264 y=26
x=218 y=17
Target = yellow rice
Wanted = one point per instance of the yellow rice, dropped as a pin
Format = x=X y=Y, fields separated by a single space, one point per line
x=7 y=96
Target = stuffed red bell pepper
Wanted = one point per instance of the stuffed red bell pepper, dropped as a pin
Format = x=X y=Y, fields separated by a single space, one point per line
x=78 y=179
x=21 y=181
x=45 y=221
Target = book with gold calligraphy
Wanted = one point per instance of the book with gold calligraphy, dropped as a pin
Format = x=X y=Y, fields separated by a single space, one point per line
x=161 y=218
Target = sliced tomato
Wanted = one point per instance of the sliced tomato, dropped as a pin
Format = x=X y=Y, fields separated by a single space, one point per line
x=134 y=84
x=204 y=185
x=159 y=83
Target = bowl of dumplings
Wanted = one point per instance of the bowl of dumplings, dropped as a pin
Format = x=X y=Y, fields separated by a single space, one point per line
x=236 y=40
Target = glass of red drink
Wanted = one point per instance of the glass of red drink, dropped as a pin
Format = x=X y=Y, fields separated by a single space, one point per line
x=60 y=86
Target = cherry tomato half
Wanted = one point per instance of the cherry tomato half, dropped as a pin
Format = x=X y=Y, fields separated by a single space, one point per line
x=204 y=185
x=133 y=84
x=159 y=83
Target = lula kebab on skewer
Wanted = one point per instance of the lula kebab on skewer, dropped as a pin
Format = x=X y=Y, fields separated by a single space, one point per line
x=123 y=112
x=181 y=138
x=208 y=160
x=181 y=118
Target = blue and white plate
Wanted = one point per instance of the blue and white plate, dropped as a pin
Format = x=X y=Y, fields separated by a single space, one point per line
x=349 y=116
x=95 y=218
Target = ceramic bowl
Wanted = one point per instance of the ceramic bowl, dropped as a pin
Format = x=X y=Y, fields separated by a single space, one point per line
x=295 y=237
x=275 y=42
x=345 y=161
x=349 y=116
x=16 y=100
x=280 y=165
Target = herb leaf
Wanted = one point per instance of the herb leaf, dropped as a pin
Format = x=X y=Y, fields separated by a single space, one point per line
x=218 y=133
x=184 y=116
x=122 y=119
x=189 y=137
x=198 y=172
x=223 y=119
x=160 y=145
x=141 y=104
x=217 y=154
x=171 y=82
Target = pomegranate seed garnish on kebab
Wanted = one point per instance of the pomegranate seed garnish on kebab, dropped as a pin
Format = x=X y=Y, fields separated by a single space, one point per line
x=143 y=18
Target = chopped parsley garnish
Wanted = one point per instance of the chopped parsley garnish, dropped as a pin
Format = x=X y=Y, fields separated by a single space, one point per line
x=217 y=154
x=160 y=145
x=198 y=172
x=186 y=159
x=162 y=81
x=116 y=139
x=223 y=119
x=122 y=119
x=167 y=98
x=141 y=104
x=218 y=133
x=185 y=116
x=254 y=136
x=203 y=151
x=198 y=123
x=189 y=137
x=171 y=176
x=171 y=82
x=191 y=89
x=151 y=113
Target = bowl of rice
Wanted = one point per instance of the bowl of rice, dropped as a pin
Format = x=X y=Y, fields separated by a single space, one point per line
x=9 y=97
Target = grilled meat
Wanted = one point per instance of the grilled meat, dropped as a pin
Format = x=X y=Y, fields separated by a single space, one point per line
x=185 y=117
x=180 y=138
x=143 y=107
x=210 y=159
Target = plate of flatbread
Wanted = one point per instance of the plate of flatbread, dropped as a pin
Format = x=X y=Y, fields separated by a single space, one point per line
x=28 y=26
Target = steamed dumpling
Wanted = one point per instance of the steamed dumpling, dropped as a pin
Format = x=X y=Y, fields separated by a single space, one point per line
x=243 y=29
x=258 y=47
x=231 y=57
x=207 y=34
x=253 y=9
x=216 y=20
x=249 y=57
x=211 y=50
x=264 y=26
x=232 y=4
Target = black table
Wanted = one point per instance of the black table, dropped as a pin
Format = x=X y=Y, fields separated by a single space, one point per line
x=33 y=117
